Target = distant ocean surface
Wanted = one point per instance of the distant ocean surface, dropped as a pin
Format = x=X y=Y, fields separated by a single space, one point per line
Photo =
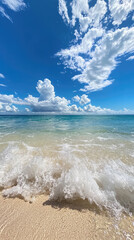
x=69 y=157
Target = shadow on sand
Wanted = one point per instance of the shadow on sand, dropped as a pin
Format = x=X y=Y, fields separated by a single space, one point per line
x=79 y=205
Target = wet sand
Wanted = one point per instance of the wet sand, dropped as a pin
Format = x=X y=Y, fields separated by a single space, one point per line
x=44 y=219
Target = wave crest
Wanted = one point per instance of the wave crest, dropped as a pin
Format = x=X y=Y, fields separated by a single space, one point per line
x=26 y=171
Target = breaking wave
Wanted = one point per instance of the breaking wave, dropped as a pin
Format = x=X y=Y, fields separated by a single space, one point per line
x=26 y=171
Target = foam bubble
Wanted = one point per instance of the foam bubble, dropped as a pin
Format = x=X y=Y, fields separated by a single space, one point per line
x=28 y=171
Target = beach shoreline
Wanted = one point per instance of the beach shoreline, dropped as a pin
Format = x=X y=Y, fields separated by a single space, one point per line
x=44 y=219
x=72 y=158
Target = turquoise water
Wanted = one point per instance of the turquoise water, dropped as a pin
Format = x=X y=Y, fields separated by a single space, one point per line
x=116 y=124
x=69 y=157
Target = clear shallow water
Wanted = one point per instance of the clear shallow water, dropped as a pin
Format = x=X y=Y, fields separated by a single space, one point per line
x=69 y=157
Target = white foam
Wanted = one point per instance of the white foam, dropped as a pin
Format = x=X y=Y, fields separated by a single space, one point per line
x=131 y=155
x=104 y=138
x=25 y=171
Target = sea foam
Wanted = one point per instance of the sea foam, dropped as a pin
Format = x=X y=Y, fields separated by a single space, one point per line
x=27 y=172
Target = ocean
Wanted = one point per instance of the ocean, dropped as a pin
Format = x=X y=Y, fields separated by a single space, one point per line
x=69 y=157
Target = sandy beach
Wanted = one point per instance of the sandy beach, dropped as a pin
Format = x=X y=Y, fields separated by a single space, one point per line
x=44 y=219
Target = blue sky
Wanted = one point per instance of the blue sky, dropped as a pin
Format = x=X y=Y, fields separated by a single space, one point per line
x=66 y=56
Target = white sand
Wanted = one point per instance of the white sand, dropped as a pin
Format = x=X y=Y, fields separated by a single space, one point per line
x=20 y=220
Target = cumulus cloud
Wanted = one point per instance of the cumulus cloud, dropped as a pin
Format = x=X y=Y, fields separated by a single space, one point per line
x=10 y=99
x=48 y=102
x=93 y=109
x=98 y=46
x=7 y=108
x=74 y=108
x=82 y=100
x=7 y=103
x=46 y=90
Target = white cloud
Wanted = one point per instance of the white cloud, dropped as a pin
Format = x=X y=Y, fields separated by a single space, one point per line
x=14 y=109
x=15 y=5
x=63 y=10
x=93 y=109
x=82 y=100
x=74 y=108
x=81 y=11
x=120 y=9
x=2 y=85
x=98 y=45
x=1 y=75
x=130 y=58
x=98 y=64
x=7 y=108
x=10 y=99
x=7 y=103
x=30 y=100
x=56 y=105
x=4 y=14
x=104 y=59
x=48 y=102
x=73 y=56
x=46 y=90
x=27 y=109
x=76 y=98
